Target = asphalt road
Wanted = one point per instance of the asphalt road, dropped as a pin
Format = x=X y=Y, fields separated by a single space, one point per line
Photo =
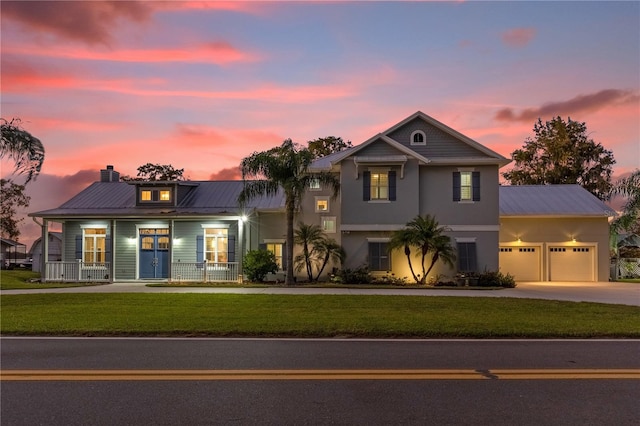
x=103 y=381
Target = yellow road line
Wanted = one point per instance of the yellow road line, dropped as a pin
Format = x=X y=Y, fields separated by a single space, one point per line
x=206 y=375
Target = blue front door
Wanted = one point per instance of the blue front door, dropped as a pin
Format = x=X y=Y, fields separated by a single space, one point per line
x=154 y=253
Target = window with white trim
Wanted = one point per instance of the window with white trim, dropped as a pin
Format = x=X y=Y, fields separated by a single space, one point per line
x=314 y=184
x=418 y=138
x=94 y=245
x=155 y=195
x=328 y=224
x=322 y=204
x=216 y=244
x=278 y=250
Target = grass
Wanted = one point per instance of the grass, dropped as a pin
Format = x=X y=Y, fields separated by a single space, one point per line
x=18 y=279
x=311 y=316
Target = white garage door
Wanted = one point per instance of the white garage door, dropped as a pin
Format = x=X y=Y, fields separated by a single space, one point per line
x=572 y=263
x=524 y=263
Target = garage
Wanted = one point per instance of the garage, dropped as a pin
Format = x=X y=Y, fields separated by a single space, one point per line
x=572 y=263
x=524 y=263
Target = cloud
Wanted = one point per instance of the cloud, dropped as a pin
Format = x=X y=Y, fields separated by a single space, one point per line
x=91 y=22
x=218 y=52
x=580 y=103
x=230 y=173
x=518 y=37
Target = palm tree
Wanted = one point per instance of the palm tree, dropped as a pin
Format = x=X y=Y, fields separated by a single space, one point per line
x=19 y=145
x=284 y=167
x=427 y=235
x=329 y=249
x=628 y=187
x=309 y=237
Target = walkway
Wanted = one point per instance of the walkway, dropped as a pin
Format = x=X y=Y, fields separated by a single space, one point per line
x=599 y=292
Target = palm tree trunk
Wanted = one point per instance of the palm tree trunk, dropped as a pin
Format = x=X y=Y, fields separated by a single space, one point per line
x=290 y=210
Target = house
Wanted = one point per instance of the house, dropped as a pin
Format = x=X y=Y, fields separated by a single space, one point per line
x=55 y=250
x=12 y=253
x=196 y=231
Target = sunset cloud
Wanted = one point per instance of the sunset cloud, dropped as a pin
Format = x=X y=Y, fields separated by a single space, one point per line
x=91 y=22
x=230 y=173
x=518 y=37
x=581 y=103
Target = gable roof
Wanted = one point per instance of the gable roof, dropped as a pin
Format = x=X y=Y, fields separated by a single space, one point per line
x=550 y=200
x=488 y=156
x=118 y=199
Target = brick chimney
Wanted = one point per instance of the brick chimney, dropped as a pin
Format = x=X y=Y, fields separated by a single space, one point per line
x=109 y=175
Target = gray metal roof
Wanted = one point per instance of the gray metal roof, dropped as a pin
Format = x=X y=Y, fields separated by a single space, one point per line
x=550 y=200
x=119 y=199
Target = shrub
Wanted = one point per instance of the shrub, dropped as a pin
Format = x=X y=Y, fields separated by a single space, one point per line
x=496 y=279
x=258 y=263
x=359 y=275
x=390 y=279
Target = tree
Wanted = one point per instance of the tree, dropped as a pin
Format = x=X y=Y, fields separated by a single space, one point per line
x=12 y=197
x=286 y=168
x=308 y=236
x=20 y=146
x=562 y=153
x=427 y=236
x=328 y=145
x=156 y=172
x=328 y=249
x=629 y=187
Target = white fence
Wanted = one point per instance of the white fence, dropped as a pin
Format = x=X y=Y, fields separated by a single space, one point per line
x=628 y=268
x=205 y=271
x=76 y=271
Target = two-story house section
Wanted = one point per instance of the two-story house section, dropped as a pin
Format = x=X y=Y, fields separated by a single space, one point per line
x=417 y=167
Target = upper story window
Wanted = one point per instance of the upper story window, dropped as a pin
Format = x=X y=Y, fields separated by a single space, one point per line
x=466 y=186
x=379 y=185
x=322 y=204
x=155 y=195
x=314 y=184
x=418 y=138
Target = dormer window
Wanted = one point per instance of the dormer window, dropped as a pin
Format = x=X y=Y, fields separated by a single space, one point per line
x=155 y=195
x=418 y=138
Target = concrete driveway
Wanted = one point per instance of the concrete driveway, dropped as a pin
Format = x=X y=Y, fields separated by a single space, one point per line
x=599 y=292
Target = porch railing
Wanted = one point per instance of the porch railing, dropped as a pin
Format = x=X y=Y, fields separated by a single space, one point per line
x=205 y=271
x=77 y=271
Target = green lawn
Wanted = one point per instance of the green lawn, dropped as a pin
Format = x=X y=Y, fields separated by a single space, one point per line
x=18 y=279
x=311 y=316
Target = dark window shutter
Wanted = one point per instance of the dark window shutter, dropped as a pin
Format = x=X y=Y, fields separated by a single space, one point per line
x=231 y=248
x=107 y=249
x=475 y=181
x=456 y=186
x=199 y=248
x=366 y=186
x=262 y=246
x=79 y=247
x=392 y=185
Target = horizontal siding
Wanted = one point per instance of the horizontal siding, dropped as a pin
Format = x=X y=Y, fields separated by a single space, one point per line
x=439 y=144
x=125 y=251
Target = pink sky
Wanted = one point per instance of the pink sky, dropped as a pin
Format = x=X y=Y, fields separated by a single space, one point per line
x=200 y=85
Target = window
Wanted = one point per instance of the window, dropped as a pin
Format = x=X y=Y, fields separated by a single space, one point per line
x=155 y=195
x=322 y=204
x=379 y=185
x=418 y=138
x=467 y=259
x=466 y=186
x=277 y=250
x=94 y=245
x=379 y=259
x=329 y=224
x=216 y=243
x=314 y=184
